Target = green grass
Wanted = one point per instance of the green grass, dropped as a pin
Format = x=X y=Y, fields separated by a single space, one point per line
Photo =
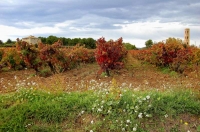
x=119 y=110
x=166 y=70
x=8 y=45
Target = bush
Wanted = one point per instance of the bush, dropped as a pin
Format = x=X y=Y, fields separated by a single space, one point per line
x=109 y=55
x=80 y=54
x=1 y=54
x=173 y=54
x=11 y=58
x=29 y=54
x=54 y=57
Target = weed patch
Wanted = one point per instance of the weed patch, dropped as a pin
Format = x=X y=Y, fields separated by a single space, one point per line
x=99 y=110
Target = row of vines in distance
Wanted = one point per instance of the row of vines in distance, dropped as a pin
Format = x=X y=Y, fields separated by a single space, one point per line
x=51 y=58
x=56 y=59
x=173 y=53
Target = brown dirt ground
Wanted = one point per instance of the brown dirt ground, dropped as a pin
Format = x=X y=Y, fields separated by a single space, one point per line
x=139 y=76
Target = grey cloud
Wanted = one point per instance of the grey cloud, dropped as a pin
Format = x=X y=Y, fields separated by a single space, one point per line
x=98 y=15
x=132 y=10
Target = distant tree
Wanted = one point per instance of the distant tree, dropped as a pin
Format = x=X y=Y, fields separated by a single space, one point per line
x=1 y=42
x=43 y=39
x=129 y=46
x=174 y=41
x=83 y=41
x=75 y=41
x=67 y=41
x=63 y=40
x=8 y=41
x=89 y=43
x=51 y=39
x=149 y=43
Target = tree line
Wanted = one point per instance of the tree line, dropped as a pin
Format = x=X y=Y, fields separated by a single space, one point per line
x=89 y=43
x=9 y=41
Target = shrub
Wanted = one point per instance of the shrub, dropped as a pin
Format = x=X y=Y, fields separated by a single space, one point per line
x=43 y=58
x=1 y=54
x=57 y=57
x=11 y=58
x=80 y=54
x=29 y=54
x=109 y=55
x=60 y=59
x=173 y=54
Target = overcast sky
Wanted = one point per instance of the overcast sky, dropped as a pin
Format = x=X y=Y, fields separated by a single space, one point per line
x=134 y=20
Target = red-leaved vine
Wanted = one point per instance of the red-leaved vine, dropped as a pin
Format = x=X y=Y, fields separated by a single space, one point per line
x=30 y=55
x=109 y=55
x=55 y=57
x=173 y=54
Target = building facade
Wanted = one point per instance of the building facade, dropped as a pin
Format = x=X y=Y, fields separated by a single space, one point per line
x=31 y=40
x=187 y=36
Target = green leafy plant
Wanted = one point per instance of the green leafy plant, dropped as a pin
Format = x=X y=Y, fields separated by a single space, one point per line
x=111 y=109
x=198 y=129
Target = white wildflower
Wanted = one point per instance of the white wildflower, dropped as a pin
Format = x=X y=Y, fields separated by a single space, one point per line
x=134 y=129
x=128 y=121
x=140 y=115
x=136 y=107
x=144 y=99
x=92 y=122
x=148 y=97
x=148 y=115
x=82 y=112
x=99 y=110
x=149 y=106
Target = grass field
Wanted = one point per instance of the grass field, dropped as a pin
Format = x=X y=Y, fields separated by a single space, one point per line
x=100 y=110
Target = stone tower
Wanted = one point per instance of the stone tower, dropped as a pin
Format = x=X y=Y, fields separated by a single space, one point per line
x=187 y=36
